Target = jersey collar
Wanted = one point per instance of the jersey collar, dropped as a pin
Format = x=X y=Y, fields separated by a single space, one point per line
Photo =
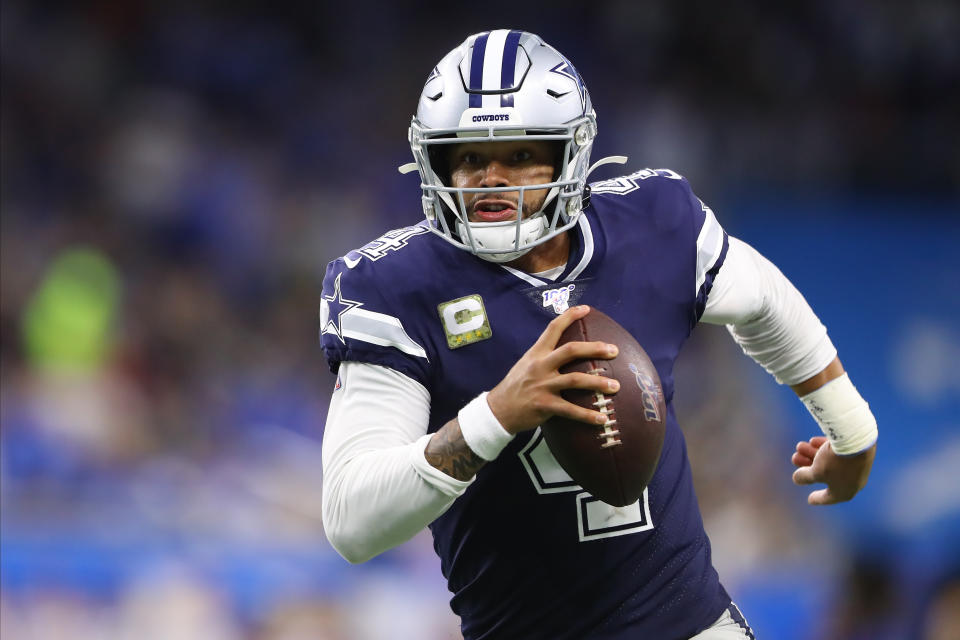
x=582 y=249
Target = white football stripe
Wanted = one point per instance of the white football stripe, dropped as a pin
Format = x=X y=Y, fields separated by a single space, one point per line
x=380 y=329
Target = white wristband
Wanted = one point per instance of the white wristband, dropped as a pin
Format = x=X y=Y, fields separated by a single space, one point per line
x=481 y=430
x=843 y=415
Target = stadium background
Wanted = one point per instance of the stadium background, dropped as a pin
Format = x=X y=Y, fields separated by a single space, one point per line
x=175 y=177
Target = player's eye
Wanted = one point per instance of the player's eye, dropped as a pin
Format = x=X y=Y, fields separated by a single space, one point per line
x=470 y=158
x=522 y=155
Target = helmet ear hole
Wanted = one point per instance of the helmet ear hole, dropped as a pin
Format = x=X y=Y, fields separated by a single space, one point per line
x=440 y=161
x=559 y=150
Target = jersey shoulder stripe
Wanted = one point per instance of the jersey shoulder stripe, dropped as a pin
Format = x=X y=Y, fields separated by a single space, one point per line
x=380 y=329
x=342 y=318
x=710 y=244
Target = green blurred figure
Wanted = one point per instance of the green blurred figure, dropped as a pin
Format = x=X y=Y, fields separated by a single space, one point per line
x=68 y=323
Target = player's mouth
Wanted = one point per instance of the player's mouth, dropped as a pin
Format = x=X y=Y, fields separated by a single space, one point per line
x=494 y=210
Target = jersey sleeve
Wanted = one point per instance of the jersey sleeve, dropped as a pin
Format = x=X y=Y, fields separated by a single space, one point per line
x=679 y=236
x=712 y=244
x=701 y=233
x=361 y=322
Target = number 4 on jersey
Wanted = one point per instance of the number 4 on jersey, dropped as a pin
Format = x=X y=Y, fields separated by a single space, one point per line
x=390 y=241
x=628 y=184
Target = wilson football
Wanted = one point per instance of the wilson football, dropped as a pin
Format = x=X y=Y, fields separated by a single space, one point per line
x=615 y=461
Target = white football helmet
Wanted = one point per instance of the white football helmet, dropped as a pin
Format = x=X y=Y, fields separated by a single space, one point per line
x=503 y=85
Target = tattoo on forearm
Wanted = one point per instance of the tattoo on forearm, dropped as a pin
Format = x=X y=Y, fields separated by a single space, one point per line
x=448 y=451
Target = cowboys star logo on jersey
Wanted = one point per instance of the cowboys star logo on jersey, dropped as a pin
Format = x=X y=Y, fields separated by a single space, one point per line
x=332 y=309
x=345 y=319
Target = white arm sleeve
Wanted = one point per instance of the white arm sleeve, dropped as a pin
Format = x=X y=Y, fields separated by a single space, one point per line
x=767 y=316
x=378 y=488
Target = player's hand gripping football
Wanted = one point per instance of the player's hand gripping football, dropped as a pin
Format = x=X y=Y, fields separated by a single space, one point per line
x=530 y=392
x=843 y=475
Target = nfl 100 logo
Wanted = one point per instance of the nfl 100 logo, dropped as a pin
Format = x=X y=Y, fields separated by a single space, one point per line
x=559 y=299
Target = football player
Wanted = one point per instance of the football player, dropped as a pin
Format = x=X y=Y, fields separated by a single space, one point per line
x=443 y=336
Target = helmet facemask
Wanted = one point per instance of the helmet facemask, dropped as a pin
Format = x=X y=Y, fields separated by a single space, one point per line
x=445 y=206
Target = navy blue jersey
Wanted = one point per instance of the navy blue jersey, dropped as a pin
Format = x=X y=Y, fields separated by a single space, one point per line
x=526 y=552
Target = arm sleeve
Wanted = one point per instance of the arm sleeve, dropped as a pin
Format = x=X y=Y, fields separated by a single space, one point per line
x=767 y=316
x=378 y=489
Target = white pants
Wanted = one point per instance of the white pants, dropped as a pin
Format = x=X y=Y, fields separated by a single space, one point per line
x=730 y=626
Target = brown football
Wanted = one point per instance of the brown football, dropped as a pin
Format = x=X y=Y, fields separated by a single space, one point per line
x=614 y=462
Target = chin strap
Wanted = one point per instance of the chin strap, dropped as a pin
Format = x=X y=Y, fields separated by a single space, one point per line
x=580 y=203
x=598 y=163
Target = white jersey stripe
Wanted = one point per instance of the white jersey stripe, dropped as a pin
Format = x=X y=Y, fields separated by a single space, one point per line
x=709 y=246
x=523 y=275
x=587 y=249
x=379 y=328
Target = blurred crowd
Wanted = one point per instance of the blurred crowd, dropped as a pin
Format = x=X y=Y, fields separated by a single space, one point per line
x=175 y=177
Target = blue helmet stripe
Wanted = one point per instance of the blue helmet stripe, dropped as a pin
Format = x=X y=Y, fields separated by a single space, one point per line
x=508 y=65
x=476 y=69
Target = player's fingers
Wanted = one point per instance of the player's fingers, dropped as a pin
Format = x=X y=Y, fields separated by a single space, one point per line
x=548 y=339
x=578 y=380
x=575 y=412
x=800 y=460
x=806 y=450
x=821 y=497
x=817 y=441
x=580 y=350
x=805 y=475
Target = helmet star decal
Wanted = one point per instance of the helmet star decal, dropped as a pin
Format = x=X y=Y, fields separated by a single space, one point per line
x=568 y=71
x=332 y=309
